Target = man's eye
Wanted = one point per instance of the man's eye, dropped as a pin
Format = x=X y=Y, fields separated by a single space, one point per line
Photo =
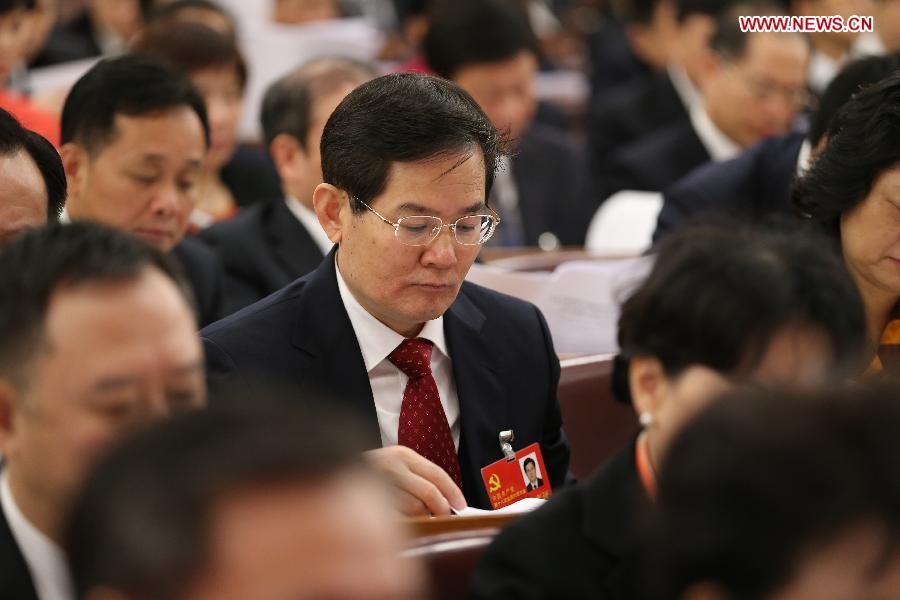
x=186 y=185
x=416 y=229
x=144 y=179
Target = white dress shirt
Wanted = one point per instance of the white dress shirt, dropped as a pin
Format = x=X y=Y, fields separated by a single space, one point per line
x=720 y=146
x=377 y=341
x=310 y=222
x=684 y=87
x=45 y=559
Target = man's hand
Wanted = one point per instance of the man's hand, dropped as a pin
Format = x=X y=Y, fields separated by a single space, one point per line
x=424 y=488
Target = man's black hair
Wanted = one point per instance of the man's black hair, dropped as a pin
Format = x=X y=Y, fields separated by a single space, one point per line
x=404 y=117
x=862 y=144
x=851 y=79
x=42 y=261
x=141 y=525
x=154 y=12
x=728 y=40
x=475 y=32
x=14 y=139
x=761 y=481
x=8 y=6
x=717 y=297
x=288 y=103
x=528 y=461
x=128 y=85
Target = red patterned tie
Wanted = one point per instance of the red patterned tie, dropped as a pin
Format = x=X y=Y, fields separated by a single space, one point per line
x=423 y=423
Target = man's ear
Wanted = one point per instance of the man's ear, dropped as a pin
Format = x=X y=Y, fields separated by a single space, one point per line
x=648 y=383
x=75 y=162
x=7 y=418
x=288 y=156
x=332 y=208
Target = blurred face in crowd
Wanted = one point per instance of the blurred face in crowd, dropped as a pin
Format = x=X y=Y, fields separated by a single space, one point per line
x=298 y=12
x=120 y=17
x=504 y=90
x=13 y=41
x=23 y=196
x=833 y=43
x=796 y=356
x=39 y=23
x=404 y=286
x=870 y=238
x=759 y=94
x=222 y=91
x=301 y=167
x=143 y=179
x=887 y=22
x=333 y=538
x=114 y=355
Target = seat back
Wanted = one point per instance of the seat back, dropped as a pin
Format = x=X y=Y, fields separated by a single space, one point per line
x=450 y=559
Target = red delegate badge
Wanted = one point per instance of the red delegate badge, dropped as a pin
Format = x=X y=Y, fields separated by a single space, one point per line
x=509 y=481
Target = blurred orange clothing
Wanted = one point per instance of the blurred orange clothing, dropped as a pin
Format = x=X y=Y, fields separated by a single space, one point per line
x=31 y=116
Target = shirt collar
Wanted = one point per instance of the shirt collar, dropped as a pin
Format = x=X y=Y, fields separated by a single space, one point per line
x=684 y=87
x=46 y=561
x=644 y=467
x=804 y=158
x=64 y=217
x=310 y=222
x=720 y=146
x=377 y=340
x=868 y=44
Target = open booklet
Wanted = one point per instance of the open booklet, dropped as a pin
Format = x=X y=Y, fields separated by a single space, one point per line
x=522 y=506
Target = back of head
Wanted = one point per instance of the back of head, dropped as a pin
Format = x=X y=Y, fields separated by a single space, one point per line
x=42 y=261
x=862 y=144
x=754 y=487
x=190 y=48
x=470 y=32
x=853 y=77
x=717 y=297
x=143 y=525
x=206 y=12
x=288 y=103
x=15 y=139
x=128 y=85
x=403 y=117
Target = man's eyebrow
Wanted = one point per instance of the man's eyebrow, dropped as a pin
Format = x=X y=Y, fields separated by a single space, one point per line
x=412 y=207
x=115 y=382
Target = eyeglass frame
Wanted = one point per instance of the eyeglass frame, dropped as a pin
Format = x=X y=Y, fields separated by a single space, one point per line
x=493 y=217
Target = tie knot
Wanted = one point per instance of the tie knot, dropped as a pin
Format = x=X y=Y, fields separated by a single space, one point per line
x=412 y=357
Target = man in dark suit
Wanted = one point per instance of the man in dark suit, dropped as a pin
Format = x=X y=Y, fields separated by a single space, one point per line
x=98 y=337
x=756 y=186
x=134 y=138
x=625 y=115
x=270 y=244
x=542 y=192
x=752 y=89
x=386 y=325
x=534 y=482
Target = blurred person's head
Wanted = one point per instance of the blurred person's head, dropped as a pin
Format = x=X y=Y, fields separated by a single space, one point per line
x=489 y=50
x=651 y=28
x=14 y=35
x=203 y=12
x=32 y=180
x=119 y=19
x=696 y=23
x=239 y=503
x=214 y=64
x=782 y=496
x=135 y=136
x=294 y=111
x=886 y=15
x=416 y=148
x=41 y=18
x=98 y=337
x=756 y=83
x=852 y=77
x=301 y=12
x=725 y=307
x=852 y=193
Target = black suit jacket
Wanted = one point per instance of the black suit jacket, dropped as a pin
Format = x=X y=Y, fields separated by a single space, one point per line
x=753 y=187
x=263 y=249
x=625 y=117
x=656 y=161
x=15 y=578
x=550 y=173
x=251 y=176
x=581 y=544
x=530 y=487
x=504 y=366
x=204 y=273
